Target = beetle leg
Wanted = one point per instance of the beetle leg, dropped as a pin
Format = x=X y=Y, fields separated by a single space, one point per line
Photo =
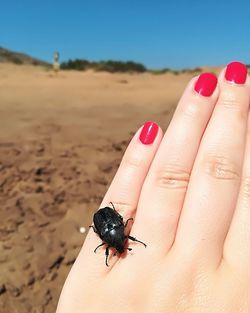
x=99 y=246
x=107 y=254
x=93 y=228
x=134 y=239
x=129 y=249
x=116 y=210
x=130 y=219
x=112 y=205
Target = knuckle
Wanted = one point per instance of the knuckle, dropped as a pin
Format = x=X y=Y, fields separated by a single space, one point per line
x=172 y=177
x=220 y=167
x=236 y=101
x=124 y=208
x=230 y=98
x=236 y=106
x=133 y=160
x=230 y=102
x=191 y=110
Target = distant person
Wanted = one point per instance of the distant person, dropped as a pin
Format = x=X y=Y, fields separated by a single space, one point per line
x=189 y=194
x=56 y=64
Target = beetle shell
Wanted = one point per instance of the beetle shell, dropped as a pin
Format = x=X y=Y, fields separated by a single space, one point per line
x=109 y=226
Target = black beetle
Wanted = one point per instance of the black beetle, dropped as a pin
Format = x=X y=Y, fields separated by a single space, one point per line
x=109 y=226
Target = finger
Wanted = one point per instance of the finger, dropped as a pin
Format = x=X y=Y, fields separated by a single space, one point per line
x=165 y=186
x=213 y=188
x=236 y=248
x=124 y=191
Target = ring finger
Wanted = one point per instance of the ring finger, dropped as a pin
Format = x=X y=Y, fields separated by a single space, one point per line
x=124 y=192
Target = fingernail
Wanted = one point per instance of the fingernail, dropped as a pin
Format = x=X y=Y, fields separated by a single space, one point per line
x=149 y=133
x=206 y=84
x=236 y=72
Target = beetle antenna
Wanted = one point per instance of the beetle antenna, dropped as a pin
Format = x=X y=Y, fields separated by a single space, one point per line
x=112 y=205
x=116 y=210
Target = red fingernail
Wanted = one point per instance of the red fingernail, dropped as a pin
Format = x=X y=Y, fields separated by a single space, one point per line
x=236 y=72
x=148 y=133
x=206 y=84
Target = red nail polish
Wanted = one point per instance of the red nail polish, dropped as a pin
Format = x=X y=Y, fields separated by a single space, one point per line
x=148 y=133
x=236 y=72
x=206 y=84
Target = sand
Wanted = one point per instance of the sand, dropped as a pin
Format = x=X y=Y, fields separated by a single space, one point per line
x=61 y=140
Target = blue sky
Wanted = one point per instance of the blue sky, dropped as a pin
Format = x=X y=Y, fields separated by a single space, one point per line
x=176 y=34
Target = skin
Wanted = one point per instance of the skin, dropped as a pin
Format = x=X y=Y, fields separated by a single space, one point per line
x=191 y=205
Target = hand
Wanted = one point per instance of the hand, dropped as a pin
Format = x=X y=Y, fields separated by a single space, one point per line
x=189 y=194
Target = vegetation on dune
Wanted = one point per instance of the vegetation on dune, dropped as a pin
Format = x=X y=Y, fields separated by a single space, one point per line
x=160 y=71
x=120 y=66
x=19 y=58
x=195 y=70
x=106 y=66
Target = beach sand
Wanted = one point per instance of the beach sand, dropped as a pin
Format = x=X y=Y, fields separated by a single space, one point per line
x=61 y=140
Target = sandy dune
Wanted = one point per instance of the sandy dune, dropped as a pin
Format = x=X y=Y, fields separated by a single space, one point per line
x=61 y=140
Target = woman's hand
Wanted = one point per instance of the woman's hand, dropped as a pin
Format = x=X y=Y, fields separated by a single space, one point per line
x=189 y=194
